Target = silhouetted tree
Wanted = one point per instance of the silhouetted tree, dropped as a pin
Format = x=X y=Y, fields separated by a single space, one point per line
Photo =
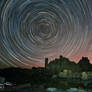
x=46 y=62
x=84 y=64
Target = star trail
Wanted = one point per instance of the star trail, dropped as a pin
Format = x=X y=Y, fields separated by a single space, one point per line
x=31 y=30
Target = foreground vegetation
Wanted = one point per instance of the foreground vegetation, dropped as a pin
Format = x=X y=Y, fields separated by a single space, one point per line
x=51 y=75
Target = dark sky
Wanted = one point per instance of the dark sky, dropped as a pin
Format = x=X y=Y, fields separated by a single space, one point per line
x=31 y=30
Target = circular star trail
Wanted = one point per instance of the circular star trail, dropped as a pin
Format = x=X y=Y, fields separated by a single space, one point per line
x=31 y=30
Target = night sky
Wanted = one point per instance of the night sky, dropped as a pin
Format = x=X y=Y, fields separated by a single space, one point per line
x=31 y=30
